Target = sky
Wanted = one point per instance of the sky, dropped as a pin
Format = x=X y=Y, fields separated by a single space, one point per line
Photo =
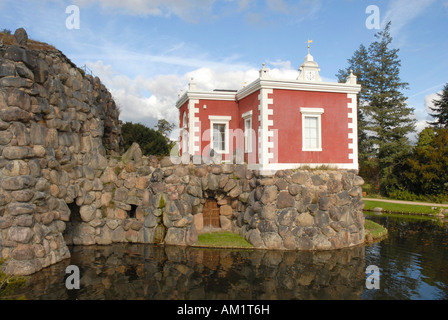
x=146 y=51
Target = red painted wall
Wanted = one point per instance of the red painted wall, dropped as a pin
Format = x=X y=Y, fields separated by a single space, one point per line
x=216 y=108
x=288 y=121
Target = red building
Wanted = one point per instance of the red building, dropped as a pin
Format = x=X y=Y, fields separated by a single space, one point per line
x=274 y=124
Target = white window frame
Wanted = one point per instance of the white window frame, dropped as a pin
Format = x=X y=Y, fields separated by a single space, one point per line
x=220 y=120
x=185 y=133
x=314 y=113
x=247 y=117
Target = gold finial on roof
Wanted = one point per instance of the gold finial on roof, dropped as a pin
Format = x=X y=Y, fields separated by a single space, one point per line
x=308 y=42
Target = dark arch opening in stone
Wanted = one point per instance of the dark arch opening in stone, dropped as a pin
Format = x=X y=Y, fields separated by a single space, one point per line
x=133 y=211
x=75 y=215
x=73 y=223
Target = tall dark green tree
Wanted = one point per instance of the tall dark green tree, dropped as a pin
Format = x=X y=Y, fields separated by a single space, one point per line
x=359 y=64
x=388 y=118
x=440 y=109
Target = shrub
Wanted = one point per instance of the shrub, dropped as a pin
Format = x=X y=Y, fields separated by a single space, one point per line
x=403 y=195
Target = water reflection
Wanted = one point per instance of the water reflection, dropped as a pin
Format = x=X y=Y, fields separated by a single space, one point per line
x=413 y=262
x=166 y=272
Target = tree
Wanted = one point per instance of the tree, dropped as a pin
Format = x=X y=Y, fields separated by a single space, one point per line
x=359 y=64
x=440 y=109
x=386 y=119
x=151 y=141
x=165 y=128
x=427 y=170
x=389 y=118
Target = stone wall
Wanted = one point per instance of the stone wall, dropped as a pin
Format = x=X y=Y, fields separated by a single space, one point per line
x=64 y=179
x=56 y=125
x=291 y=210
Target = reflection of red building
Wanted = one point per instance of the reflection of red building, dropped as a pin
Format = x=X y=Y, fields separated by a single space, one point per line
x=276 y=124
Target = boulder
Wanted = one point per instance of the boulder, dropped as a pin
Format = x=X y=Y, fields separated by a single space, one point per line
x=21 y=37
x=269 y=194
x=285 y=200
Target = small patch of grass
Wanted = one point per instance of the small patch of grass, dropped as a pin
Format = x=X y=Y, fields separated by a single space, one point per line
x=223 y=239
x=9 y=283
x=399 y=207
x=374 y=231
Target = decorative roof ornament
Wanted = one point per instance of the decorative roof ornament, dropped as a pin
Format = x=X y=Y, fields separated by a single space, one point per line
x=308 y=42
x=309 y=70
x=264 y=72
x=192 y=85
x=351 y=79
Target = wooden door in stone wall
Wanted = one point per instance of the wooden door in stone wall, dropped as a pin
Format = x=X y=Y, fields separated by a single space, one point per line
x=211 y=214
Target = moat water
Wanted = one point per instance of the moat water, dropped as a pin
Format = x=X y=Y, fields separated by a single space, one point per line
x=412 y=260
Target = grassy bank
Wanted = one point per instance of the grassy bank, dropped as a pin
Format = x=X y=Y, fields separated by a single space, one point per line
x=222 y=239
x=226 y=239
x=9 y=283
x=374 y=231
x=400 y=207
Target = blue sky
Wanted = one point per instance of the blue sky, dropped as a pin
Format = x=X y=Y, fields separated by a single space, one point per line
x=145 y=52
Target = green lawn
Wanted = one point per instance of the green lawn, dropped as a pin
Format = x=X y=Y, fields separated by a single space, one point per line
x=222 y=239
x=400 y=208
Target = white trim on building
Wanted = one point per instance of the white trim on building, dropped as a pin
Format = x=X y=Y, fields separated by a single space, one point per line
x=311 y=135
x=223 y=120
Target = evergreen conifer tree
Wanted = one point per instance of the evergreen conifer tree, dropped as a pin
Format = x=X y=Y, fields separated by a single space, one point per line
x=388 y=120
x=359 y=64
x=440 y=109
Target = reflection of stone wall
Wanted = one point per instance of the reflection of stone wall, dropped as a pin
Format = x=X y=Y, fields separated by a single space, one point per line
x=184 y=273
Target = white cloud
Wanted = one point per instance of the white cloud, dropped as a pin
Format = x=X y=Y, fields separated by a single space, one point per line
x=429 y=101
x=422 y=114
x=208 y=79
x=145 y=99
x=141 y=99
x=420 y=125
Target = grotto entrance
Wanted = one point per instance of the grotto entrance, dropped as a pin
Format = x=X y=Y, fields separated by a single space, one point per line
x=210 y=214
x=73 y=224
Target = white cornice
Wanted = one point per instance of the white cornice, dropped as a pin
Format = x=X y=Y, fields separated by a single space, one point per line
x=206 y=95
x=259 y=83
x=298 y=86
